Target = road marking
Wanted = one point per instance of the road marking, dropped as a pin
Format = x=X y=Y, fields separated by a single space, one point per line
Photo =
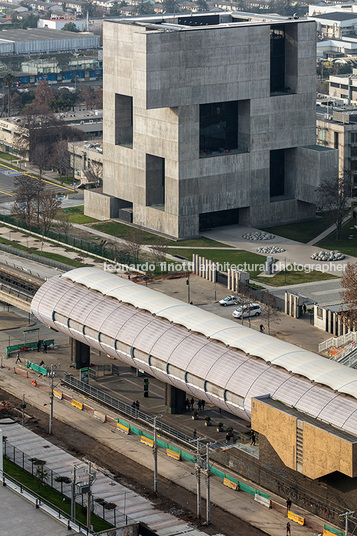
x=43 y=180
x=1 y=192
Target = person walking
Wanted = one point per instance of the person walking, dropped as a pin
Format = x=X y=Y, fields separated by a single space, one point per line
x=199 y=404
x=288 y=529
x=288 y=505
x=253 y=438
x=203 y=403
x=192 y=403
x=194 y=434
x=228 y=438
x=44 y=349
x=18 y=360
x=261 y=328
x=39 y=345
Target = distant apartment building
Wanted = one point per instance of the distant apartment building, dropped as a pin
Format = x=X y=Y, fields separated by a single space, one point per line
x=13 y=134
x=209 y=120
x=338 y=130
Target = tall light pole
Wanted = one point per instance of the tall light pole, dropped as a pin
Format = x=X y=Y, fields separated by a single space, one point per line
x=51 y=404
x=208 y=487
x=155 y=456
x=346 y=515
x=73 y=495
x=89 y=495
x=198 y=481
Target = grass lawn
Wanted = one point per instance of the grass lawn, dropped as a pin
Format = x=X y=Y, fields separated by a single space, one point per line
x=10 y=158
x=46 y=254
x=294 y=278
x=344 y=244
x=121 y=230
x=52 y=496
x=239 y=257
x=304 y=231
x=75 y=215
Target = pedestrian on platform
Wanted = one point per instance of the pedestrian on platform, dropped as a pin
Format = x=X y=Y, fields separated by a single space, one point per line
x=137 y=405
x=288 y=505
x=228 y=438
x=199 y=404
x=18 y=360
x=44 y=348
x=187 y=404
x=203 y=403
x=288 y=529
x=39 y=345
x=192 y=403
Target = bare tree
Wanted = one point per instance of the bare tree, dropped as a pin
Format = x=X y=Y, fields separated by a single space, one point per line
x=134 y=242
x=40 y=157
x=49 y=206
x=334 y=195
x=349 y=295
x=270 y=310
x=43 y=94
x=61 y=157
x=63 y=223
x=27 y=192
x=159 y=251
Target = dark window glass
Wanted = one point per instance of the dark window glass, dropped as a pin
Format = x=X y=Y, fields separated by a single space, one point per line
x=334 y=84
x=210 y=220
x=123 y=120
x=218 y=127
x=277 y=172
x=277 y=59
x=155 y=181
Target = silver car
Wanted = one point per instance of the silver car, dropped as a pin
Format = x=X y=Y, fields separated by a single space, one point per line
x=229 y=300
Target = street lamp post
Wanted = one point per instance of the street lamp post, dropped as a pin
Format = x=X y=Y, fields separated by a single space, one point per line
x=155 y=456
x=51 y=404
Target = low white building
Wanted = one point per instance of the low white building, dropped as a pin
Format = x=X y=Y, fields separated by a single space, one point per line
x=58 y=24
x=335 y=24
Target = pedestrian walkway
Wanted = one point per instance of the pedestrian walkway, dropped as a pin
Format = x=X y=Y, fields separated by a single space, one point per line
x=326 y=232
x=241 y=505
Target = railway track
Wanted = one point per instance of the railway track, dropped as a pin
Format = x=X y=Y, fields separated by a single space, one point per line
x=12 y=280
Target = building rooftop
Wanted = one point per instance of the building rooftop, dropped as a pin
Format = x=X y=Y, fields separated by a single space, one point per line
x=336 y=15
x=202 y=21
x=34 y=34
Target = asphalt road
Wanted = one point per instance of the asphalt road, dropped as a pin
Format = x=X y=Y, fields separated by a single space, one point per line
x=7 y=175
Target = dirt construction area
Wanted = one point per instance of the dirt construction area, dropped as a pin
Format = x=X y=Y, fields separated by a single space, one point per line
x=171 y=497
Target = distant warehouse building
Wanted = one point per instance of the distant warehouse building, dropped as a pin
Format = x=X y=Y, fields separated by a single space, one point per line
x=45 y=41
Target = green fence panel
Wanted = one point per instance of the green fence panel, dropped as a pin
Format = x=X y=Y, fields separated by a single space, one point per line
x=147 y=435
x=265 y=495
x=162 y=444
x=246 y=488
x=334 y=531
x=175 y=449
x=231 y=479
x=217 y=472
x=135 y=430
x=37 y=368
x=187 y=457
x=124 y=423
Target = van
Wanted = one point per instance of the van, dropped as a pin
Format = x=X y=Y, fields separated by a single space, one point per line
x=252 y=309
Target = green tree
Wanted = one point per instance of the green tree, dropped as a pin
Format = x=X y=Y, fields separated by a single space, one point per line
x=171 y=6
x=9 y=79
x=70 y=27
x=145 y=8
x=202 y=5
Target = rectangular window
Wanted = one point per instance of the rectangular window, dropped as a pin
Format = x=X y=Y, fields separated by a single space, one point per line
x=123 y=120
x=277 y=59
x=218 y=128
x=277 y=173
x=335 y=140
x=155 y=181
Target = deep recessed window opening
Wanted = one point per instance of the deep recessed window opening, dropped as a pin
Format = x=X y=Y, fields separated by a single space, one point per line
x=123 y=120
x=277 y=59
x=218 y=128
x=155 y=181
x=277 y=173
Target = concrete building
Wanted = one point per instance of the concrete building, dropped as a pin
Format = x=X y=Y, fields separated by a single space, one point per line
x=335 y=24
x=13 y=133
x=338 y=130
x=87 y=160
x=209 y=120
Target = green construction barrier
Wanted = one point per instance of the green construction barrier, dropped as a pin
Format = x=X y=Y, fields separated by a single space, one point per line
x=147 y=435
x=246 y=488
x=124 y=423
x=175 y=449
x=162 y=444
x=36 y=368
x=334 y=531
x=217 y=472
x=187 y=457
x=265 y=495
x=231 y=479
x=135 y=430
x=29 y=345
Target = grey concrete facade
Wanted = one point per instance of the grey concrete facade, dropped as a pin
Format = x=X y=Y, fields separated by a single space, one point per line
x=169 y=70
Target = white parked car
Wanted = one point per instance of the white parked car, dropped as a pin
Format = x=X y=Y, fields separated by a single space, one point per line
x=252 y=309
x=229 y=300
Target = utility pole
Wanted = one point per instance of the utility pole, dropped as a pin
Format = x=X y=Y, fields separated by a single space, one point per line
x=198 y=481
x=155 y=456
x=208 y=487
x=188 y=287
x=73 y=496
x=89 y=496
x=347 y=515
x=51 y=403
x=23 y=406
